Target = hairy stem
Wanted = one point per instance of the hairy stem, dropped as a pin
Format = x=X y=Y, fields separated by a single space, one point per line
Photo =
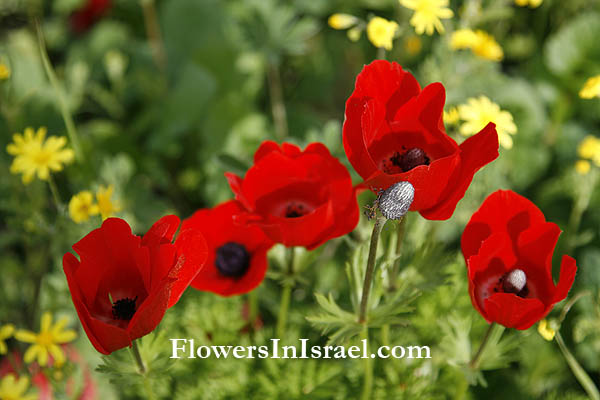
x=286 y=295
x=153 y=33
x=277 y=103
x=474 y=363
x=142 y=369
x=368 y=366
x=379 y=223
x=62 y=101
x=582 y=376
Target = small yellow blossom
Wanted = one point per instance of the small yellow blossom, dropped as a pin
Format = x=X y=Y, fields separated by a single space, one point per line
x=342 y=21
x=452 y=116
x=354 y=33
x=381 y=32
x=47 y=341
x=545 y=330
x=106 y=207
x=591 y=88
x=413 y=45
x=428 y=14
x=4 y=71
x=481 y=43
x=35 y=155
x=82 y=207
x=589 y=149
x=582 y=167
x=6 y=332
x=478 y=112
x=14 y=388
x=530 y=3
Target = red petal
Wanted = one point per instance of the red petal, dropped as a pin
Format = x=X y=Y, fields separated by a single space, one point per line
x=162 y=231
x=192 y=252
x=104 y=337
x=476 y=152
x=513 y=311
x=567 y=277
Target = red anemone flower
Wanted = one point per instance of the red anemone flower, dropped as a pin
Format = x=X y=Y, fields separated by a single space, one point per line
x=237 y=255
x=508 y=247
x=123 y=283
x=394 y=132
x=83 y=18
x=298 y=198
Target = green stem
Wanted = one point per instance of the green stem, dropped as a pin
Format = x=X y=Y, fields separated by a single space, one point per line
x=277 y=103
x=379 y=223
x=474 y=363
x=153 y=33
x=582 y=376
x=64 y=107
x=142 y=369
x=137 y=357
x=380 y=53
x=401 y=229
x=368 y=365
x=54 y=191
x=252 y=308
x=385 y=335
x=286 y=295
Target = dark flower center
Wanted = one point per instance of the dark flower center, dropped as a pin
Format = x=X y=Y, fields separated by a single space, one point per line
x=515 y=282
x=232 y=260
x=410 y=159
x=295 y=210
x=124 y=308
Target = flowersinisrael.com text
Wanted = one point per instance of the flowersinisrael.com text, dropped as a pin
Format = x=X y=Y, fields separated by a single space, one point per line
x=186 y=348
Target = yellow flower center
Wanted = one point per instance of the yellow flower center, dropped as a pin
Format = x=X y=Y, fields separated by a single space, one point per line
x=42 y=157
x=45 y=339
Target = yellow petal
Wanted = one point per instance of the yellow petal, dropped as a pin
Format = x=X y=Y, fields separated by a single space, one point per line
x=65 y=336
x=58 y=355
x=7 y=331
x=31 y=353
x=46 y=322
x=23 y=335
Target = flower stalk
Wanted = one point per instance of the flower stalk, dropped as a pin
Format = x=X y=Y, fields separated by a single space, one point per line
x=379 y=223
x=62 y=101
x=142 y=369
x=153 y=33
x=286 y=295
x=368 y=366
x=277 y=103
x=474 y=363
x=582 y=376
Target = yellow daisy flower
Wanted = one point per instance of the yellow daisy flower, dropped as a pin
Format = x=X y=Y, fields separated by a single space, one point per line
x=591 y=88
x=342 y=21
x=106 y=207
x=545 y=330
x=478 y=112
x=47 y=341
x=452 y=116
x=13 y=388
x=428 y=14
x=381 y=32
x=6 y=332
x=589 y=149
x=4 y=72
x=34 y=155
x=82 y=206
x=530 y=3
x=582 y=167
x=481 y=43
